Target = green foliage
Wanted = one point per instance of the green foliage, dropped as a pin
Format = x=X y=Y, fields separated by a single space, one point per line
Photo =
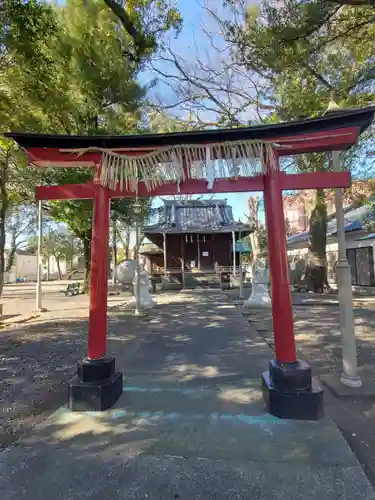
x=71 y=69
x=16 y=188
x=57 y=244
x=74 y=72
x=122 y=210
x=162 y=123
x=145 y=22
x=100 y=95
x=303 y=67
x=306 y=53
x=23 y=28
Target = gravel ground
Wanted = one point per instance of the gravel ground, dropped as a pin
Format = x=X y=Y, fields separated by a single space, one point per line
x=317 y=336
x=38 y=358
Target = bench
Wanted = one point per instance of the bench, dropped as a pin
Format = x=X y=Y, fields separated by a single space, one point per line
x=72 y=289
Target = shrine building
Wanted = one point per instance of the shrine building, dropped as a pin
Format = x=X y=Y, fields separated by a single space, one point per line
x=194 y=235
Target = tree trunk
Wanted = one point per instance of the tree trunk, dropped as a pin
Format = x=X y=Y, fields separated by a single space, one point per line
x=11 y=254
x=87 y=258
x=123 y=244
x=2 y=253
x=127 y=243
x=317 y=260
x=58 y=267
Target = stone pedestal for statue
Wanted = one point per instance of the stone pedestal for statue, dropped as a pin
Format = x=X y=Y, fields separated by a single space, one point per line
x=146 y=299
x=259 y=295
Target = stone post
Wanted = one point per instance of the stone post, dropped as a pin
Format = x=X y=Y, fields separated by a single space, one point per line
x=165 y=253
x=234 y=252
x=349 y=375
x=137 y=311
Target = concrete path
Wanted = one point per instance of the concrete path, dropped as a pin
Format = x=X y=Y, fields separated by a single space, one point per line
x=190 y=425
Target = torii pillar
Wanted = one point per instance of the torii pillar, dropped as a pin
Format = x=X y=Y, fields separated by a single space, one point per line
x=97 y=386
x=288 y=388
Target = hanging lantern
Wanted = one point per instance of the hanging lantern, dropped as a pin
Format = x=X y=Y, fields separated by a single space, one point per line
x=137 y=207
x=186 y=238
x=191 y=238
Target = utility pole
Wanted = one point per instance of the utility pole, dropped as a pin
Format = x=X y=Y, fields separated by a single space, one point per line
x=39 y=259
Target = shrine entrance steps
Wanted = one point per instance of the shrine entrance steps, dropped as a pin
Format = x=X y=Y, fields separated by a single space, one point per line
x=191 y=280
x=201 y=280
x=190 y=425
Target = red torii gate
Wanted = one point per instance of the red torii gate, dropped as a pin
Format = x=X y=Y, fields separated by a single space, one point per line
x=288 y=388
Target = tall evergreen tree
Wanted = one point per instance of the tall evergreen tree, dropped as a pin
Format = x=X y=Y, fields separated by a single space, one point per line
x=303 y=70
x=75 y=73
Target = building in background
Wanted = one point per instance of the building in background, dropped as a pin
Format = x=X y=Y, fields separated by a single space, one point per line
x=298 y=206
x=360 y=245
x=195 y=234
x=24 y=266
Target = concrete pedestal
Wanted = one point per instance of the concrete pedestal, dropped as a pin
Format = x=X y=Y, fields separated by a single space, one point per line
x=146 y=299
x=290 y=392
x=96 y=387
x=259 y=295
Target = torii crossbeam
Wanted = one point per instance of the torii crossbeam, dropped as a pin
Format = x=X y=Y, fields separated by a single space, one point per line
x=119 y=163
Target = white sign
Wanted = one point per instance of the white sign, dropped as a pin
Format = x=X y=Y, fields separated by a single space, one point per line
x=205 y=254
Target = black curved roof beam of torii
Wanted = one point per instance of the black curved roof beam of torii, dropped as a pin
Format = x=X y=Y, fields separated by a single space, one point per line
x=336 y=130
x=332 y=121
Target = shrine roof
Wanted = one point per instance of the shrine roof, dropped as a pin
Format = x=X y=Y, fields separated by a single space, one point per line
x=150 y=249
x=361 y=118
x=196 y=216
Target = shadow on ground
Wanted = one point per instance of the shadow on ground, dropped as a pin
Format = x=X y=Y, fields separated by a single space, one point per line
x=37 y=360
x=318 y=340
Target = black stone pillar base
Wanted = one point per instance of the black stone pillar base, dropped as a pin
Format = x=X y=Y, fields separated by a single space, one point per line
x=290 y=392
x=96 y=387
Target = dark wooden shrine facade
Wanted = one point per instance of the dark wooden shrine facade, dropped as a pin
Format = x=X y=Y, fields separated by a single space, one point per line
x=193 y=234
x=185 y=249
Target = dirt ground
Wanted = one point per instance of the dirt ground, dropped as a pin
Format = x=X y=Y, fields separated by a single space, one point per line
x=317 y=334
x=39 y=357
x=19 y=302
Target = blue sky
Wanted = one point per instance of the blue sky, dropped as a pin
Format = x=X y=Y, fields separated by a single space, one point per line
x=191 y=38
x=186 y=44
